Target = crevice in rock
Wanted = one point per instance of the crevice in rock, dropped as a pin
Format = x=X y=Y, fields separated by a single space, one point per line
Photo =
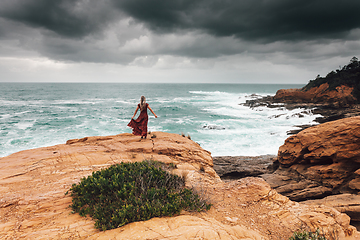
x=323 y=161
x=153 y=145
x=355 y=224
x=274 y=166
x=239 y=175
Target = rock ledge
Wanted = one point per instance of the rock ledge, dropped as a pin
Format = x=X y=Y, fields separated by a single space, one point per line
x=34 y=206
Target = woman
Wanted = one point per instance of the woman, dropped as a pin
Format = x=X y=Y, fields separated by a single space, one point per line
x=139 y=125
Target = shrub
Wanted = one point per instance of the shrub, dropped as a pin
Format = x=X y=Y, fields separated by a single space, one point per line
x=130 y=192
x=306 y=235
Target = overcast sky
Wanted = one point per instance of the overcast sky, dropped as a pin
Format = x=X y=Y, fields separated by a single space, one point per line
x=226 y=41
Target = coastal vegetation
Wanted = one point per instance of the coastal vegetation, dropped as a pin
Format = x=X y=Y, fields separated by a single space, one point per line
x=307 y=235
x=348 y=75
x=129 y=192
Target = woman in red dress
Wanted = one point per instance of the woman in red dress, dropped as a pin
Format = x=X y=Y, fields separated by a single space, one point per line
x=139 y=125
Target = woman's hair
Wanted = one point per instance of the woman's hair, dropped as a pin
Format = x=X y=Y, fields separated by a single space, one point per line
x=142 y=103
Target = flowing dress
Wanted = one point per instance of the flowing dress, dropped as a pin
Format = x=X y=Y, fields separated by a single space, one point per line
x=139 y=126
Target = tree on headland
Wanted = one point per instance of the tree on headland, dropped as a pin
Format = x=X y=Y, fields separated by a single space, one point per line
x=354 y=62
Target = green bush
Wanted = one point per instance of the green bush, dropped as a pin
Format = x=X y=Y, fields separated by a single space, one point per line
x=130 y=192
x=306 y=235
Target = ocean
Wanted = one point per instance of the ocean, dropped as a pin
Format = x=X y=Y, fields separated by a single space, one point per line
x=36 y=115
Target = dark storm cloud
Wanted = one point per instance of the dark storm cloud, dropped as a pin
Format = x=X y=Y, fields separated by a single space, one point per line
x=268 y=20
x=120 y=31
x=69 y=18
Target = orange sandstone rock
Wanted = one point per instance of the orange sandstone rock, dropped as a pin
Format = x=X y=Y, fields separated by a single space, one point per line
x=331 y=142
x=341 y=96
x=33 y=203
x=321 y=161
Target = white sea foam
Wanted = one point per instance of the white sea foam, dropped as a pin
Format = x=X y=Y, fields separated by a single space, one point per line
x=210 y=93
x=6 y=116
x=244 y=130
x=72 y=102
x=25 y=125
x=124 y=102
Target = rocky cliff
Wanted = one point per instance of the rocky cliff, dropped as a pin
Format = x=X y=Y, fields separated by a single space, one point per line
x=341 y=96
x=33 y=203
x=340 y=88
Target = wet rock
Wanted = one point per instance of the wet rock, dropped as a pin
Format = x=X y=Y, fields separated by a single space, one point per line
x=228 y=167
x=213 y=127
x=330 y=104
x=300 y=128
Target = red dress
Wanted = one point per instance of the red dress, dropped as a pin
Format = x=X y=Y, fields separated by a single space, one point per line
x=139 y=125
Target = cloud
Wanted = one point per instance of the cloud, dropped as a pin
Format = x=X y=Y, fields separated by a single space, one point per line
x=259 y=20
x=67 y=18
x=217 y=35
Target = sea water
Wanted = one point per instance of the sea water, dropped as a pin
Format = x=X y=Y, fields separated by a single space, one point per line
x=35 y=115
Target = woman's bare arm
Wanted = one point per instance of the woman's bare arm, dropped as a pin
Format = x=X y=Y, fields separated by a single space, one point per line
x=152 y=111
x=137 y=108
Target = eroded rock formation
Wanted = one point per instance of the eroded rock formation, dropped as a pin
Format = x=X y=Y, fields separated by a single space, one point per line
x=346 y=203
x=321 y=161
x=33 y=203
x=341 y=96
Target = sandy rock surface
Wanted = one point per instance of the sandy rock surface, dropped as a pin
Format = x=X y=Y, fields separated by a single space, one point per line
x=33 y=203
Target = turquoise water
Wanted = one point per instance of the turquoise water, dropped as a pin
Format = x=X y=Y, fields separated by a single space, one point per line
x=43 y=114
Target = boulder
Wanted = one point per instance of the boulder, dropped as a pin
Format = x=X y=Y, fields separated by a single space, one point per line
x=319 y=161
x=33 y=203
x=229 y=167
x=325 y=144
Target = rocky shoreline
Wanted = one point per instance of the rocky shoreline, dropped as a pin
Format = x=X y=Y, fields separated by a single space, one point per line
x=317 y=164
x=329 y=111
x=320 y=163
